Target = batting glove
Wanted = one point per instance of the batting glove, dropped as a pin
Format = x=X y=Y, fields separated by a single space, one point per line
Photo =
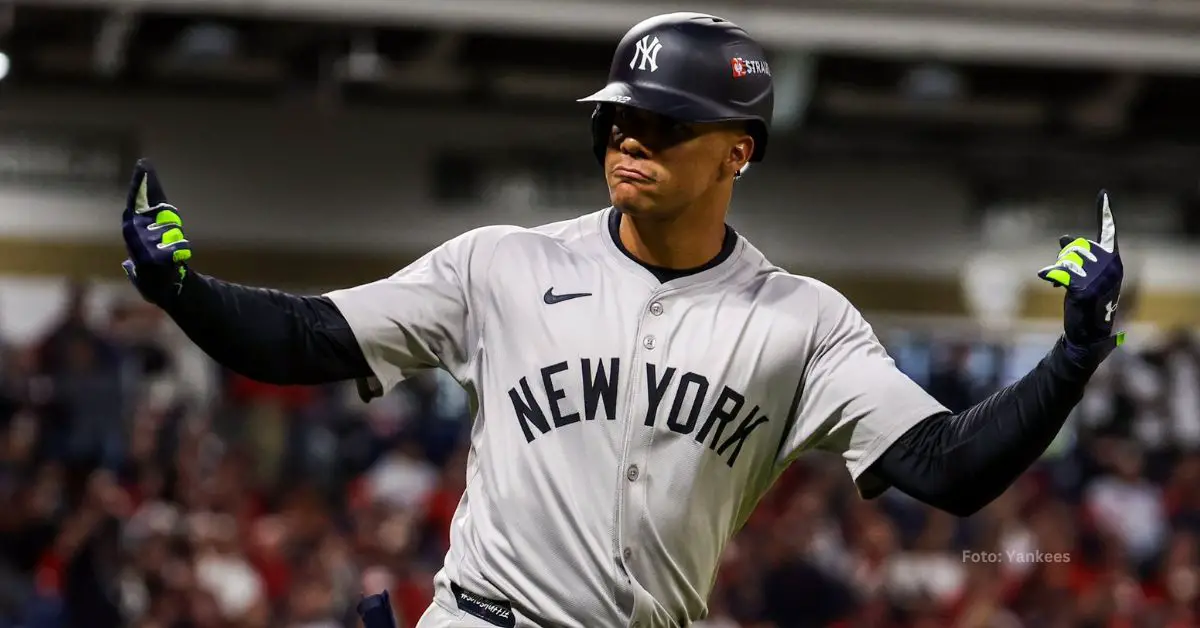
x=376 y=611
x=1090 y=271
x=153 y=232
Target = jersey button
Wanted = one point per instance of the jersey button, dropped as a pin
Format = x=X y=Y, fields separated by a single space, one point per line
x=627 y=554
x=656 y=308
x=648 y=342
x=632 y=473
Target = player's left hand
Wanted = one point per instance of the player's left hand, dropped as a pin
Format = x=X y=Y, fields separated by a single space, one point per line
x=1091 y=272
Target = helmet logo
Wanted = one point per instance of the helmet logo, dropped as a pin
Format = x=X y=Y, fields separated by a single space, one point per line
x=646 y=52
x=742 y=67
x=739 y=68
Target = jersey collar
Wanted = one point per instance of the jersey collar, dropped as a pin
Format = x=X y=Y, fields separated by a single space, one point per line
x=720 y=266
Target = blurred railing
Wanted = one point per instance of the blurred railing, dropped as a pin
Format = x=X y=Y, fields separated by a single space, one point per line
x=1166 y=45
x=1138 y=9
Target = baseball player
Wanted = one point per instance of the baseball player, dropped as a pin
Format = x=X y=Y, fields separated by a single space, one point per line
x=640 y=375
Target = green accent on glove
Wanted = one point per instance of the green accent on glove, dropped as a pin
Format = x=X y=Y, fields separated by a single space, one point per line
x=1082 y=243
x=173 y=236
x=1062 y=277
x=168 y=217
x=1072 y=257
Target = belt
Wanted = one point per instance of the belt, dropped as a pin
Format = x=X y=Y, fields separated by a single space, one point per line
x=495 y=612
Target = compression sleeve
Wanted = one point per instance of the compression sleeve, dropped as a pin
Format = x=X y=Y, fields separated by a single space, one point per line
x=266 y=335
x=961 y=462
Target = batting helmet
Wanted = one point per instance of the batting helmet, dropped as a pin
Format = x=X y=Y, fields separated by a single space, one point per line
x=691 y=67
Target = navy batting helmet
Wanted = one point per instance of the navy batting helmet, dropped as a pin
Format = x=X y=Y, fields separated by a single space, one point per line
x=691 y=67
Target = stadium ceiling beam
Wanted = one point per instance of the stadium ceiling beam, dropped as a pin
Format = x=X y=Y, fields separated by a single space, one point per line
x=1114 y=44
x=1124 y=9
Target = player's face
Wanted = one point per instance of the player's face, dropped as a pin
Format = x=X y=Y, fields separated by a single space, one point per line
x=658 y=166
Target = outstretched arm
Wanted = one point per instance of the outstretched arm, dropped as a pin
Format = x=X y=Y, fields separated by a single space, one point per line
x=961 y=462
x=378 y=333
x=265 y=335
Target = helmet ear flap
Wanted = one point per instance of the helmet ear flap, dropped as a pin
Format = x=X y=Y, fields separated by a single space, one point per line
x=602 y=121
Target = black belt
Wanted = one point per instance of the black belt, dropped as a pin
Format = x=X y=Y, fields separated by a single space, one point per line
x=495 y=612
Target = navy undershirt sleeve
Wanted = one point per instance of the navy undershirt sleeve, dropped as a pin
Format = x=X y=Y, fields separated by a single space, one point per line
x=267 y=335
x=961 y=462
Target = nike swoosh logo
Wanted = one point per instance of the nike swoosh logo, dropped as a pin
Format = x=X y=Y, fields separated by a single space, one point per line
x=550 y=298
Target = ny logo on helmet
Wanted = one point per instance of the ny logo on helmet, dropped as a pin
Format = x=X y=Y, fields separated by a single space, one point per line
x=646 y=52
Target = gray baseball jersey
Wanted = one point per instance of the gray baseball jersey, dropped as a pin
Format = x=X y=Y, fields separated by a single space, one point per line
x=624 y=428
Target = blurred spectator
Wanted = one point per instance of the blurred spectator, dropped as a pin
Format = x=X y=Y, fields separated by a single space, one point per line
x=403 y=479
x=1180 y=362
x=1127 y=506
x=950 y=380
x=930 y=571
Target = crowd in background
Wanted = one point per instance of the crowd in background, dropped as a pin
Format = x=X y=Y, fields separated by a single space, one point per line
x=142 y=487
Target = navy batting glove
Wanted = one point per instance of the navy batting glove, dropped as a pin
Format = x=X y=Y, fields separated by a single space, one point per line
x=1091 y=272
x=153 y=232
x=376 y=611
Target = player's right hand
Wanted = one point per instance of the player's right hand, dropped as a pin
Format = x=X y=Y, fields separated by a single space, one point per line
x=153 y=233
